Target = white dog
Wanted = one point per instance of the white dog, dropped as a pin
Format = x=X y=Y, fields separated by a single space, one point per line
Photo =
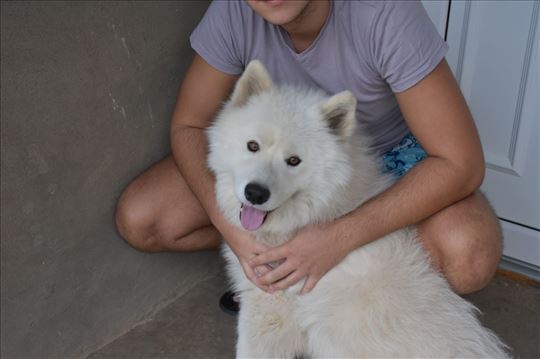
x=287 y=157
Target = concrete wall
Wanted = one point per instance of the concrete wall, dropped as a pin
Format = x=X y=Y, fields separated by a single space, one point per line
x=87 y=93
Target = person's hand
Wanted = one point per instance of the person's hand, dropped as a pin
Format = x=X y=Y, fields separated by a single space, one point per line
x=245 y=246
x=310 y=254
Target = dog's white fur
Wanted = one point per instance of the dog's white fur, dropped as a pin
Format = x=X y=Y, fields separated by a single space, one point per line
x=384 y=299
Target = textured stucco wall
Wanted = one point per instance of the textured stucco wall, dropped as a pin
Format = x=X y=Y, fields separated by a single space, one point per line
x=87 y=93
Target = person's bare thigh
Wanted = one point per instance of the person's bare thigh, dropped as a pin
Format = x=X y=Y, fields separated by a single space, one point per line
x=158 y=211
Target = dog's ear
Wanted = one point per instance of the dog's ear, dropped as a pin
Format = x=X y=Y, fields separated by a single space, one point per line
x=340 y=113
x=254 y=80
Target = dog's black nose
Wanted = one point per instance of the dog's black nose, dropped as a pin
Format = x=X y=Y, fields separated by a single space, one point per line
x=256 y=194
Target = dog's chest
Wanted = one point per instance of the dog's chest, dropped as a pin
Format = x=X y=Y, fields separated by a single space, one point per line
x=273 y=239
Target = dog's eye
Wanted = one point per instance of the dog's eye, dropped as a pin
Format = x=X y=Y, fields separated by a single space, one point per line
x=293 y=161
x=252 y=146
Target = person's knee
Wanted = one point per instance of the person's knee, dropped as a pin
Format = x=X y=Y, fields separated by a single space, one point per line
x=471 y=263
x=136 y=223
x=464 y=243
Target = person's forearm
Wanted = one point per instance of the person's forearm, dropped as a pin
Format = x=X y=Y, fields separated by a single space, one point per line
x=190 y=148
x=432 y=185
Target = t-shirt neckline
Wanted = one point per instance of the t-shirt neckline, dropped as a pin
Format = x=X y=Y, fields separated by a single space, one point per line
x=286 y=39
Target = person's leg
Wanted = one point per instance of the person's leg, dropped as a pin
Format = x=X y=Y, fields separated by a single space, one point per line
x=464 y=242
x=158 y=212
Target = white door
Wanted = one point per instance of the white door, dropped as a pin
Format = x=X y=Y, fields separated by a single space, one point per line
x=438 y=13
x=494 y=56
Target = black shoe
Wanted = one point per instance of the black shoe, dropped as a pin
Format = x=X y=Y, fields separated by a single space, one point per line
x=229 y=303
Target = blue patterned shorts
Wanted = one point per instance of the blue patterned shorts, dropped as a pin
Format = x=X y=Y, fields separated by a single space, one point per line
x=404 y=156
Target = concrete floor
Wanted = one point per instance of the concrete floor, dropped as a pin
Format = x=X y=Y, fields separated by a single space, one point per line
x=194 y=327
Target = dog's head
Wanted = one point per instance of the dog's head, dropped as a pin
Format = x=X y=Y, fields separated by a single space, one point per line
x=278 y=153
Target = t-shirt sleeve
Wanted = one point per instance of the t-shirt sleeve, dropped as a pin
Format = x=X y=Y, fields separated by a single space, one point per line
x=405 y=44
x=215 y=39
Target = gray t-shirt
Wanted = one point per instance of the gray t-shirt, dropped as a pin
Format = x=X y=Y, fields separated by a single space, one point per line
x=372 y=48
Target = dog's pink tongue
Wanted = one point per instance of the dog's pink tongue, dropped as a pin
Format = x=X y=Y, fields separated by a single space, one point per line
x=251 y=218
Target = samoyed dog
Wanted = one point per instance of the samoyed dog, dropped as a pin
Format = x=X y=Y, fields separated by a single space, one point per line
x=286 y=157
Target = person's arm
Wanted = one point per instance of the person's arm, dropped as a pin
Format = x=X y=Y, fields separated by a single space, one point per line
x=438 y=116
x=201 y=95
